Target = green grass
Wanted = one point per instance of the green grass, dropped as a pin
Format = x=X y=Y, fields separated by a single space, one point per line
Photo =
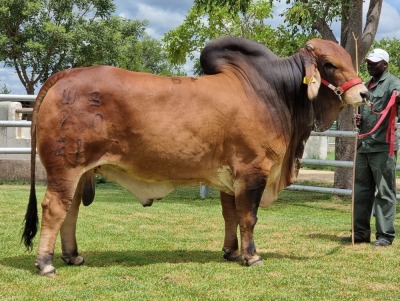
x=171 y=251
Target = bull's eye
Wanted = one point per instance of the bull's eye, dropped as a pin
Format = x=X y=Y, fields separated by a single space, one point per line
x=329 y=67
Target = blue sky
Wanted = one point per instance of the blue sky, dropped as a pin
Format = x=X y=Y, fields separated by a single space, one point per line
x=164 y=15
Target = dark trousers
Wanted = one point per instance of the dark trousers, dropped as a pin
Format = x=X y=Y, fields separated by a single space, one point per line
x=375 y=187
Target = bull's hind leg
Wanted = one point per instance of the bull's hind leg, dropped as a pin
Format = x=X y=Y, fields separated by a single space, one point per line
x=231 y=244
x=247 y=196
x=55 y=206
x=68 y=230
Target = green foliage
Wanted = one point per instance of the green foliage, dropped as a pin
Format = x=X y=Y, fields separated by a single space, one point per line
x=302 y=15
x=40 y=38
x=392 y=46
x=234 y=6
x=172 y=251
x=4 y=90
x=148 y=55
x=206 y=22
x=35 y=35
x=200 y=27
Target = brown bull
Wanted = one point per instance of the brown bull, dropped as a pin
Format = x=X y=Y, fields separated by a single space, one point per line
x=240 y=128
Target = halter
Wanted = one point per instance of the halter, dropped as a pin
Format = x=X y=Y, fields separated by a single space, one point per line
x=343 y=88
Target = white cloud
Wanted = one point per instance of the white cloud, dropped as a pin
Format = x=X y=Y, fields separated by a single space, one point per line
x=10 y=78
x=160 y=20
x=162 y=15
x=389 y=22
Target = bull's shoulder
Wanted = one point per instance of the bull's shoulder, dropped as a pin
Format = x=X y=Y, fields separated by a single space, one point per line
x=232 y=50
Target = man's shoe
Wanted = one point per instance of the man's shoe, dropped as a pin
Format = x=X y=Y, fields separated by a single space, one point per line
x=382 y=242
x=347 y=239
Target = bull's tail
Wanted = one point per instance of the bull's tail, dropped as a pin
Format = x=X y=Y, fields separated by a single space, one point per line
x=31 y=215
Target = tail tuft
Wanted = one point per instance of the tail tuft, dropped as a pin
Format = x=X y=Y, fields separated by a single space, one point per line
x=31 y=221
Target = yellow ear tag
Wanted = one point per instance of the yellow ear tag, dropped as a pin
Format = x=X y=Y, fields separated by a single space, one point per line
x=312 y=80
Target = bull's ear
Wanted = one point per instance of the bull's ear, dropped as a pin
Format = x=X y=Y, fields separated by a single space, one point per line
x=313 y=81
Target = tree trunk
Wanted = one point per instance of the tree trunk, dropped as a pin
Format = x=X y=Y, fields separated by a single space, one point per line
x=344 y=147
x=30 y=90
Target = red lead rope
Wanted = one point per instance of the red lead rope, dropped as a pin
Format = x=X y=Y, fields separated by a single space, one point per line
x=390 y=134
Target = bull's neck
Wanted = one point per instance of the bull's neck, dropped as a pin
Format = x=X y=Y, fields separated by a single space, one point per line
x=290 y=74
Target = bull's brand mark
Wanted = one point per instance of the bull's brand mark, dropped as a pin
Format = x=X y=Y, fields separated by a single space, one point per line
x=176 y=80
x=78 y=147
x=64 y=117
x=68 y=97
x=95 y=99
x=60 y=150
x=98 y=122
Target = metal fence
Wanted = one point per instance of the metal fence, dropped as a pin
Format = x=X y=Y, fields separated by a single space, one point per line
x=203 y=189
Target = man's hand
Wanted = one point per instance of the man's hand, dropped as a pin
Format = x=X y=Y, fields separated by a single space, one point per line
x=397 y=93
x=358 y=119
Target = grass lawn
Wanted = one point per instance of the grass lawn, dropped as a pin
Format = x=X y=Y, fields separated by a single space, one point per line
x=172 y=251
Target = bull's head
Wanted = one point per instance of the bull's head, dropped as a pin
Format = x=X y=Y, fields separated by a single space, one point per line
x=329 y=64
x=331 y=81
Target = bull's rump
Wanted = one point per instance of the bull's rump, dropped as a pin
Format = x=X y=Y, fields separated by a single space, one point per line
x=156 y=128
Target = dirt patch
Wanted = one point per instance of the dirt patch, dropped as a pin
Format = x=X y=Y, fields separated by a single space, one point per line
x=318 y=176
x=322 y=176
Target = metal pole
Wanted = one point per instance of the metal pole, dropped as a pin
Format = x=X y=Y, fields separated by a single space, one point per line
x=17 y=97
x=15 y=150
x=353 y=187
x=15 y=123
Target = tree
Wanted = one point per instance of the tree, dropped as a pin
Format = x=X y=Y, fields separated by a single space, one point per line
x=315 y=16
x=202 y=25
x=392 y=46
x=148 y=56
x=41 y=37
x=4 y=90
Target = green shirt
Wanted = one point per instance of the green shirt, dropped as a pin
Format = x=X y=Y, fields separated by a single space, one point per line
x=380 y=96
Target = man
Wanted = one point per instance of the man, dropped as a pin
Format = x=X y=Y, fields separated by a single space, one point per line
x=375 y=166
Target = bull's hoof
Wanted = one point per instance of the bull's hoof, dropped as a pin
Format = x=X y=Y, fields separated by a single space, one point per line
x=231 y=256
x=253 y=261
x=48 y=271
x=73 y=260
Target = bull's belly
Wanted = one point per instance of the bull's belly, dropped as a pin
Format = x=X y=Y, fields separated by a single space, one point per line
x=147 y=190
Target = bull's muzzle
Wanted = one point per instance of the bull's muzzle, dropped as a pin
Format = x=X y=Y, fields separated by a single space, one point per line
x=365 y=95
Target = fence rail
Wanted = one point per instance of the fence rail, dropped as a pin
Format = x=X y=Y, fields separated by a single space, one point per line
x=17 y=97
x=16 y=123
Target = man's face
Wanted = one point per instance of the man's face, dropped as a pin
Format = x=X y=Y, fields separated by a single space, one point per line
x=376 y=69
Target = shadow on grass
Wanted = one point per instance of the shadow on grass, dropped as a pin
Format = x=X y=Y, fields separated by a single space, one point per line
x=143 y=258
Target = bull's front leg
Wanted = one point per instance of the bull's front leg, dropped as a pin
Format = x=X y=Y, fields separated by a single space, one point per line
x=231 y=245
x=248 y=194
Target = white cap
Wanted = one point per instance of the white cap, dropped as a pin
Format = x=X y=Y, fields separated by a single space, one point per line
x=377 y=55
